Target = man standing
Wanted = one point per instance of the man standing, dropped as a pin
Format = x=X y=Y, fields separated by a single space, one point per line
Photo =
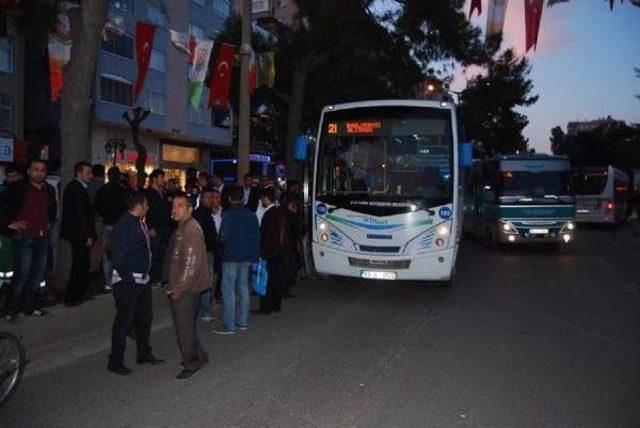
x=32 y=210
x=275 y=248
x=218 y=184
x=204 y=216
x=97 y=181
x=239 y=239
x=110 y=205
x=77 y=228
x=159 y=223
x=131 y=257
x=251 y=194
x=188 y=277
x=216 y=209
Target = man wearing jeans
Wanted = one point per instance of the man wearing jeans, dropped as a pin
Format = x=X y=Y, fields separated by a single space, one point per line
x=239 y=240
x=204 y=216
x=32 y=211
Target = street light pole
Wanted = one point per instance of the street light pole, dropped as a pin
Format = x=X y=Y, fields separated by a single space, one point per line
x=245 y=99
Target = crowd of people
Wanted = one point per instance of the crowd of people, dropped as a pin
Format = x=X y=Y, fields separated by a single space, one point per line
x=199 y=243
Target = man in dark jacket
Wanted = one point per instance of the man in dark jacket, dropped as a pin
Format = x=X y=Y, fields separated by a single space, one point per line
x=77 y=228
x=159 y=223
x=275 y=248
x=204 y=216
x=131 y=257
x=111 y=204
x=32 y=210
x=251 y=193
x=239 y=241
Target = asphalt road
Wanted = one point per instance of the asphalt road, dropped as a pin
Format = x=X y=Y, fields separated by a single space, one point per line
x=526 y=338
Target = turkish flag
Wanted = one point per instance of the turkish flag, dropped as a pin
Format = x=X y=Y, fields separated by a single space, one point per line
x=221 y=80
x=475 y=4
x=192 y=49
x=144 y=44
x=532 y=17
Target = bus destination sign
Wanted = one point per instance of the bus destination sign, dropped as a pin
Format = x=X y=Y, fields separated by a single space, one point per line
x=363 y=127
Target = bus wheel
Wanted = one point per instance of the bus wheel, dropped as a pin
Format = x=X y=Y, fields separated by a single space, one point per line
x=449 y=283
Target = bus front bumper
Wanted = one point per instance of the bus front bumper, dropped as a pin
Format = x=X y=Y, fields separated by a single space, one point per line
x=435 y=266
x=560 y=238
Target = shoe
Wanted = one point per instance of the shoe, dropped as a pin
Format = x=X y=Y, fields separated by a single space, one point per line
x=107 y=289
x=221 y=330
x=119 y=369
x=186 y=374
x=206 y=318
x=242 y=327
x=39 y=313
x=150 y=359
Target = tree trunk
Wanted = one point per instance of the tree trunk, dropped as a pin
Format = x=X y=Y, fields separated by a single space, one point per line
x=296 y=106
x=86 y=22
x=142 y=157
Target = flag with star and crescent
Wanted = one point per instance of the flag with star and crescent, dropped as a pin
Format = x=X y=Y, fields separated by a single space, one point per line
x=221 y=77
x=144 y=45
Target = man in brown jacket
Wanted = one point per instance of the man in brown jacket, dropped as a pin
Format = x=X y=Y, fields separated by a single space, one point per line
x=188 y=276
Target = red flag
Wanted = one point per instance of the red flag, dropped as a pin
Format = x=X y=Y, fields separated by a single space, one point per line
x=533 y=17
x=192 y=49
x=221 y=80
x=144 y=44
x=475 y=4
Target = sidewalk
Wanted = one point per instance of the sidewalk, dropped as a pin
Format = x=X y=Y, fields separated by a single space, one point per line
x=71 y=333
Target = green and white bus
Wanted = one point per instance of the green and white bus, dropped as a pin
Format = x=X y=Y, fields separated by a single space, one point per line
x=520 y=199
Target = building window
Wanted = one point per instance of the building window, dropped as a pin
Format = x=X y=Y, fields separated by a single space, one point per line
x=158 y=60
x=196 y=31
x=199 y=2
x=123 y=6
x=155 y=15
x=195 y=115
x=6 y=112
x=115 y=89
x=171 y=153
x=222 y=7
x=121 y=46
x=6 y=54
x=220 y=117
x=156 y=102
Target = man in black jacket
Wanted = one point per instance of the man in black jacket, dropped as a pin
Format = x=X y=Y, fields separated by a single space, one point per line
x=275 y=248
x=131 y=257
x=251 y=194
x=78 y=228
x=159 y=223
x=110 y=205
x=204 y=216
x=31 y=212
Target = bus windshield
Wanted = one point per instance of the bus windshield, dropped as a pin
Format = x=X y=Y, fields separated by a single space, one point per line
x=535 y=184
x=387 y=153
x=589 y=183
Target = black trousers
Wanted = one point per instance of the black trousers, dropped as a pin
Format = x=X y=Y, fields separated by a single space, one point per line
x=79 y=277
x=134 y=308
x=185 y=312
x=272 y=301
x=158 y=253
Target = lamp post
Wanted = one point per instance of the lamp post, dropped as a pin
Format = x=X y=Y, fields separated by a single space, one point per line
x=244 y=122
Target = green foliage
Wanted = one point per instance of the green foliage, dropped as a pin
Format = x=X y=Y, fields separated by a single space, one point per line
x=610 y=144
x=487 y=106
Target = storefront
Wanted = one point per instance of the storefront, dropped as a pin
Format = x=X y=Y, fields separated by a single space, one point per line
x=127 y=163
x=178 y=158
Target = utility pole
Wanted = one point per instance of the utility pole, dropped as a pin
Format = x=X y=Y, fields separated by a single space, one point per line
x=245 y=100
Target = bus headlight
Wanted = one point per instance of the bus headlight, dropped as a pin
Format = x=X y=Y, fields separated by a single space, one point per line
x=507 y=227
x=443 y=231
x=440 y=242
x=9 y=274
x=322 y=226
x=570 y=225
x=324 y=237
x=566 y=238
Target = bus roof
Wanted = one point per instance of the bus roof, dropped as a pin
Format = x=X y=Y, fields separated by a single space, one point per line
x=443 y=105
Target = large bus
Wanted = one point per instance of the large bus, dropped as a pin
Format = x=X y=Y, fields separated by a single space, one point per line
x=520 y=199
x=384 y=202
x=602 y=194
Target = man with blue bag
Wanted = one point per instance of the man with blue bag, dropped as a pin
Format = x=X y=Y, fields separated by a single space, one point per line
x=240 y=246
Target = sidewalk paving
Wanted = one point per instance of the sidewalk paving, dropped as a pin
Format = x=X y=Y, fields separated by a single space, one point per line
x=67 y=334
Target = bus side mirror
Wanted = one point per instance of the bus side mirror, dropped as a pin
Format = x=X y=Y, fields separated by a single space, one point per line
x=302 y=144
x=465 y=155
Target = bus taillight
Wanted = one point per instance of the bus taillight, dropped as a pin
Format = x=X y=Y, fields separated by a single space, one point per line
x=610 y=207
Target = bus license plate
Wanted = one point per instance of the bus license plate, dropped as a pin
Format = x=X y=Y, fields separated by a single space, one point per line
x=370 y=274
x=539 y=231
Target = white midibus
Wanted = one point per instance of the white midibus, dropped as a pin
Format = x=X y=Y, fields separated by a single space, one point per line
x=385 y=201
x=602 y=194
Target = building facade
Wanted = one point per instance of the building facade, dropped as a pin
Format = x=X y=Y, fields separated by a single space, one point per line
x=177 y=138
x=12 y=81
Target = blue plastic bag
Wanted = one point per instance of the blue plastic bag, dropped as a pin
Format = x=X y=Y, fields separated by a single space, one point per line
x=259 y=277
